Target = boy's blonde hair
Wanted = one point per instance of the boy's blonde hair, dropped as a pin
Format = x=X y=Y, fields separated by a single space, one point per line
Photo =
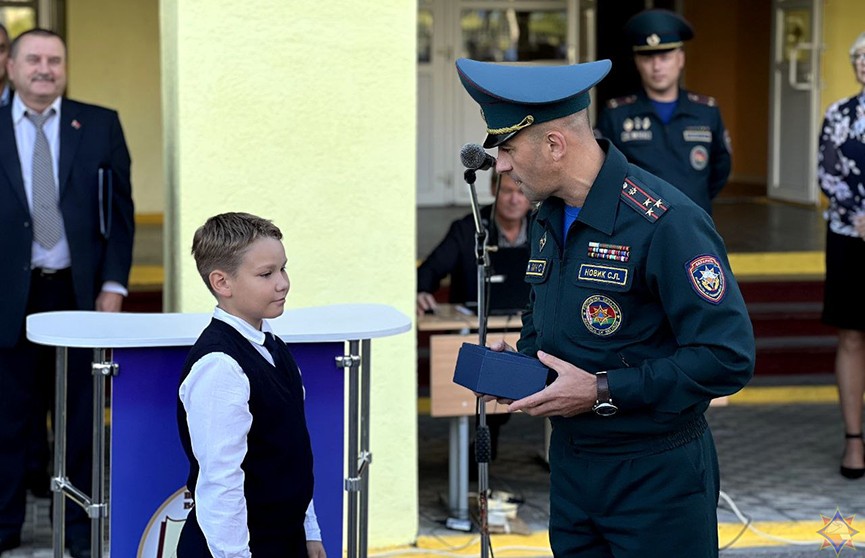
x=221 y=242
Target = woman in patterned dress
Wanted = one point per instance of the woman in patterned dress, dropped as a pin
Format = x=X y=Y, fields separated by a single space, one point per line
x=841 y=164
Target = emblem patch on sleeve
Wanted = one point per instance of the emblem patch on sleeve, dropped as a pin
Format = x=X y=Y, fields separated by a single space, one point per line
x=707 y=278
x=601 y=315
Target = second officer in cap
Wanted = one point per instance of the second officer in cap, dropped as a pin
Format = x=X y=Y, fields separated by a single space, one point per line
x=673 y=133
x=635 y=307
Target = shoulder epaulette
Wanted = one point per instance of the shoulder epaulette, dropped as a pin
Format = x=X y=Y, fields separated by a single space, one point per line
x=702 y=100
x=622 y=101
x=643 y=200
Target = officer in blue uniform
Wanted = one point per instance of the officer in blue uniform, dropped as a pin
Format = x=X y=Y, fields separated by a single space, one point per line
x=671 y=132
x=633 y=305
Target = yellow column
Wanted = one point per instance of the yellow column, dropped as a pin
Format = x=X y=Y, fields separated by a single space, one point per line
x=304 y=112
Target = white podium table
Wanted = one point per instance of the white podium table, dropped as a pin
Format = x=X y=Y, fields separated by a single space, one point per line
x=147 y=352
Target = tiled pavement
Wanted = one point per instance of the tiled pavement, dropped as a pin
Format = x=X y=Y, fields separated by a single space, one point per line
x=779 y=463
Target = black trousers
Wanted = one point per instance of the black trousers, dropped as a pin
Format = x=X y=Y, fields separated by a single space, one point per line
x=27 y=397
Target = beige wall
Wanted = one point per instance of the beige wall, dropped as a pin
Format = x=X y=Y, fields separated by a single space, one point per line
x=114 y=62
x=843 y=20
x=304 y=112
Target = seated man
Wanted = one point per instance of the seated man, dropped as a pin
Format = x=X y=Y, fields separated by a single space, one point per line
x=455 y=254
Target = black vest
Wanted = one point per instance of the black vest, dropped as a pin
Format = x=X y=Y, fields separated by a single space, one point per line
x=278 y=481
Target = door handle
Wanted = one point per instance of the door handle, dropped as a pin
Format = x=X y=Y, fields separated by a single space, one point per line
x=793 y=68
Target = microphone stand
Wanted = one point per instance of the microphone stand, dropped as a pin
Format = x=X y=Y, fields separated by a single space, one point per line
x=482 y=434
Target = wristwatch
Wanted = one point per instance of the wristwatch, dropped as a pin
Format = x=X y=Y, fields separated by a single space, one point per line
x=604 y=404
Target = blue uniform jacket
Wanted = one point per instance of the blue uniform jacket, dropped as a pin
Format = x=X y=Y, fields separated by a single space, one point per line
x=641 y=287
x=691 y=152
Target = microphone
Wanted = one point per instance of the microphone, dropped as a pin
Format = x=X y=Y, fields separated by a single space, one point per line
x=474 y=157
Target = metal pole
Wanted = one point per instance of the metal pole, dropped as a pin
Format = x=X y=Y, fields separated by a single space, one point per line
x=350 y=362
x=482 y=437
x=59 y=478
x=97 y=510
x=366 y=454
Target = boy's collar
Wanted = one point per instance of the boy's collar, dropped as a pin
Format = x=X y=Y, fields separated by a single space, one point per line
x=250 y=333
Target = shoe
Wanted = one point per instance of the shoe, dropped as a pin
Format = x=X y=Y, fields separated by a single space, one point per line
x=853 y=472
x=79 y=548
x=10 y=541
x=38 y=483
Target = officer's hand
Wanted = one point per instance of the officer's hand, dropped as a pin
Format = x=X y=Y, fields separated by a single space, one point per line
x=502 y=346
x=425 y=302
x=572 y=393
x=499 y=346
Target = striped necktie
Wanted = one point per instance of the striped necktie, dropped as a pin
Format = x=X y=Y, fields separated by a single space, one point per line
x=47 y=220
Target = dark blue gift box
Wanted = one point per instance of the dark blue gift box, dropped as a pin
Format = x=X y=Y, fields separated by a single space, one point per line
x=506 y=375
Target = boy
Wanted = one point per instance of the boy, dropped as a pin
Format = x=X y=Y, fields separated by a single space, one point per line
x=252 y=480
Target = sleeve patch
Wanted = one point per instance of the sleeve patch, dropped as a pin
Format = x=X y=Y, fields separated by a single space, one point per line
x=707 y=278
x=643 y=200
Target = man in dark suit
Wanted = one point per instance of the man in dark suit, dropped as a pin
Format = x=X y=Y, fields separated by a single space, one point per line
x=66 y=244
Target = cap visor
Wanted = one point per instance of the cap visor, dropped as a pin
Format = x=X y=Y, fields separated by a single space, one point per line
x=495 y=140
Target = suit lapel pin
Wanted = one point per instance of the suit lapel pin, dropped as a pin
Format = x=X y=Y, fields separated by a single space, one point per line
x=542 y=242
x=76 y=124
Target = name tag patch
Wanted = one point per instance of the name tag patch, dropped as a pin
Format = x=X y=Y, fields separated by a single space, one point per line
x=603 y=274
x=601 y=315
x=536 y=268
x=637 y=135
x=698 y=135
x=707 y=278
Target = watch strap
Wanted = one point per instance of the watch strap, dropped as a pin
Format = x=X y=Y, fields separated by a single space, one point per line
x=603 y=388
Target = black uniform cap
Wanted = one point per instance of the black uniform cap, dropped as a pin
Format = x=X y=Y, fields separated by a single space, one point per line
x=657 y=30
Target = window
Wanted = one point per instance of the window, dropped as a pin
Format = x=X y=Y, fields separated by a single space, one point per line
x=511 y=35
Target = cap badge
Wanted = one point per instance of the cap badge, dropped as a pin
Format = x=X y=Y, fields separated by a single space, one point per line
x=653 y=40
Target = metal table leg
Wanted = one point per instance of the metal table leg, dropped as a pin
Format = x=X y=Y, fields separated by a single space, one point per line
x=96 y=504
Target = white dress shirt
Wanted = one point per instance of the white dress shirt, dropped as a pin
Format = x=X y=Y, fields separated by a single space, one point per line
x=57 y=257
x=218 y=391
x=25 y=137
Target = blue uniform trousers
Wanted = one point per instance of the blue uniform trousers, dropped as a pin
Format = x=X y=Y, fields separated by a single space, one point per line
x=658 y=500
